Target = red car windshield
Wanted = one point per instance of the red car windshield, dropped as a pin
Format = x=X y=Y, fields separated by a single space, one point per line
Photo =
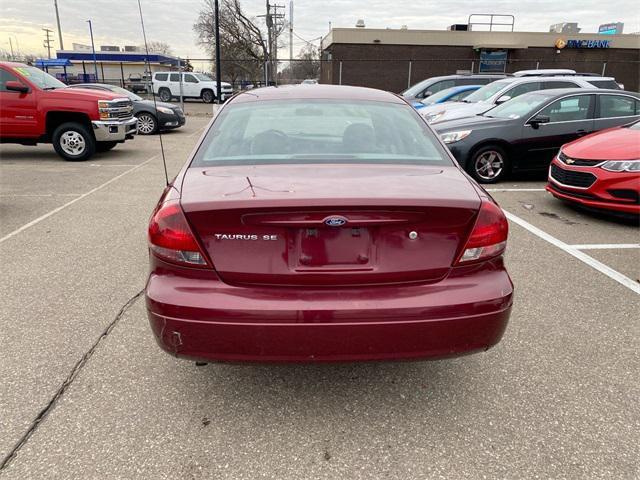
x=319 y=131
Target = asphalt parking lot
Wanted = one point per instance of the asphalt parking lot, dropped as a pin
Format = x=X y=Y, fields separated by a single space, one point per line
x=86 y=392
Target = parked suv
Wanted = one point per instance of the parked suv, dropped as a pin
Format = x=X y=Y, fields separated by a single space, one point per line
x=194 y=85
x=432 y=85
x=37 y=108
x=505 y=89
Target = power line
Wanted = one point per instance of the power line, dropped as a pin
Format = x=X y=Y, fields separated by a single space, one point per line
x=307 y=41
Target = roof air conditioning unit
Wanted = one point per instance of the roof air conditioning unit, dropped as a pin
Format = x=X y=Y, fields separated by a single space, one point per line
x=360 y=23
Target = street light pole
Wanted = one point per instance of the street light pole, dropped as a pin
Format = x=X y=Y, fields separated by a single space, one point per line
x=93 y=48
x=218 y=66
x=55 y=4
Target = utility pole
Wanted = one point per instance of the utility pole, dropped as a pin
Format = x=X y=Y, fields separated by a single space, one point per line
x=11 y=47
x=269 y=43
x=55 y=4
x=218 y=64
x=93 y=48
x=291 y=41
x=48 y=41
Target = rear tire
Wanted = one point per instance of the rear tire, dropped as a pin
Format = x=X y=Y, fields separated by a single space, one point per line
x=165 y=94
x=105 y=146
x=208 y=96
x=147 y=124
x=73 y=141
x=489 y=164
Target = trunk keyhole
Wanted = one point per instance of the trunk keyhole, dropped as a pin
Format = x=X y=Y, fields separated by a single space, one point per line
x=312 y=232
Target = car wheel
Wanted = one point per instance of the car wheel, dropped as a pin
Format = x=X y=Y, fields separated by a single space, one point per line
x=73 y=142
x=489 y=164
x=105 y=146
x=147 y=124
x=208 y=96
x=165 y=94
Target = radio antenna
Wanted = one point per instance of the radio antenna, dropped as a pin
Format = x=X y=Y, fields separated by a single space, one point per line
x=153 y=95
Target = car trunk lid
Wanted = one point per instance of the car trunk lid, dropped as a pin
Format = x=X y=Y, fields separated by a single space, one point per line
x=341 y=225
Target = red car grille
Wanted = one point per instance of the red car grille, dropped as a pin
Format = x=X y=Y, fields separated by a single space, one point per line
x=572 y=178
x=577 y=162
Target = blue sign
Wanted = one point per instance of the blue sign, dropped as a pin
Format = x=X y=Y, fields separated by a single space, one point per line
x=493 y=61
x=588 y=43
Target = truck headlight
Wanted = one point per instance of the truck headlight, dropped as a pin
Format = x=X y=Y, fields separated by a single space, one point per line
x=452 y=137
x=622 y=165
x=103 y=109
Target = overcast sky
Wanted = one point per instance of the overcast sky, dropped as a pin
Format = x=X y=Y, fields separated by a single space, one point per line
x=116 y=22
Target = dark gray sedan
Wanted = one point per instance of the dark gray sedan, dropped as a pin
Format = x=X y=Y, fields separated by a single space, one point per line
x=151 y=117
x=525 y=133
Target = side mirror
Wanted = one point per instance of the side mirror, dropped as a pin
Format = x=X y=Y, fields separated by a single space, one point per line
x=427 y=94
x=539 y=120
x=502 y=99
x=13 y=86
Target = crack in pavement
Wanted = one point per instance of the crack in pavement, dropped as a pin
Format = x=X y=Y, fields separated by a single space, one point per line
x=67 y=382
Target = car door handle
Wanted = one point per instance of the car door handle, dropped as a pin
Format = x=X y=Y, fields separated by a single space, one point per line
x=581 y=132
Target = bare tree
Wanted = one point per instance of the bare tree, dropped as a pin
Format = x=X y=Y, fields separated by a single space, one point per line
x=162 y=48
x=243 y=47
x=306 y=65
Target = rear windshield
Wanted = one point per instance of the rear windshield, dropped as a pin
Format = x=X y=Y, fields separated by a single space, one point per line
x=612 y=84
x=319 y=131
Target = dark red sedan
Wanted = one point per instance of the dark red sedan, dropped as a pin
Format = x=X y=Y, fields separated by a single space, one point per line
x=600 y=171
x=325 y=224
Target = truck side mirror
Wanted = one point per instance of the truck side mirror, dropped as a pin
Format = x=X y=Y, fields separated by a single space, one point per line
x=14 y=86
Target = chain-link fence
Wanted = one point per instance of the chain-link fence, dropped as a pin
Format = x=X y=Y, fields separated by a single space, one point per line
x=393 y=75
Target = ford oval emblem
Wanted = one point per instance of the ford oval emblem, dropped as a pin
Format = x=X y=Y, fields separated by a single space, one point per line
x=335 y=221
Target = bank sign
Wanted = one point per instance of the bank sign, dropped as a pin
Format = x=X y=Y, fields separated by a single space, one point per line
x=560 y=43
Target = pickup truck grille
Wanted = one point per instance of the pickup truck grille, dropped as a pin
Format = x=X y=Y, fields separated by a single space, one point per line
x=119 y=109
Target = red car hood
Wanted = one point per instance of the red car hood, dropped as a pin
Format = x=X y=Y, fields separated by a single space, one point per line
x=81 y=94
x=614 y=144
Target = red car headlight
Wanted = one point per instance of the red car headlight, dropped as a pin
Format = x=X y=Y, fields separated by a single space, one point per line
x=621 y=166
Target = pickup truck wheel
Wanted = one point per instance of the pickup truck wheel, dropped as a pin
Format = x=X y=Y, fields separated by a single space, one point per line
x=73 y=142
x=208 y=96
x=105 y=146
x=165 y=94
x=147 y=124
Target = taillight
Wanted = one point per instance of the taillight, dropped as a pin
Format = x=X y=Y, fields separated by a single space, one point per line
x=171 y=239
x=489 y=236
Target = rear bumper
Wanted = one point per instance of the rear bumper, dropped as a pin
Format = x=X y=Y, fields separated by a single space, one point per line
x=114 y=131
x=209 y=320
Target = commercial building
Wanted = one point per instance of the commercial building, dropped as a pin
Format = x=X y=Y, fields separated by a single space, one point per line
x=393 y=59
x=114 y=65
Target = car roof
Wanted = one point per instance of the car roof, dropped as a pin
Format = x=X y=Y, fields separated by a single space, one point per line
x=560 y=91
x=319 y=92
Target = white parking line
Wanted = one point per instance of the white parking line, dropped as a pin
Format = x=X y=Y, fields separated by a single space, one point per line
x=571 y=250
x=40 y=195
x=71 y=202
x=605 y=246
x=515 y=189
